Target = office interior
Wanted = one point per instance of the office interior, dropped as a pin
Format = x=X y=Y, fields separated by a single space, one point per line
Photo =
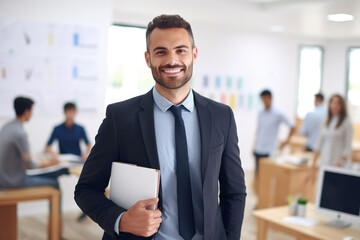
x=255 y=43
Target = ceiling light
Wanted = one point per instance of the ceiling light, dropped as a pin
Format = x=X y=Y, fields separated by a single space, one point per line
x=341 y=17
x=276 y=28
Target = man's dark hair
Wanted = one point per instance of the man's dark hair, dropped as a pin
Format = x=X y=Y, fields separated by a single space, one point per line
x=265 y=92
x=21 y=104
x=68 y=106
x=319 y=96
x=168 y=21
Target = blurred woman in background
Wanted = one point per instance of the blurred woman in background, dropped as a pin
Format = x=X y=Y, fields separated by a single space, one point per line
x=334 y=143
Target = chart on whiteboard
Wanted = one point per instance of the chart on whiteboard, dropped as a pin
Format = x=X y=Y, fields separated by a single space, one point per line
x=51 y=63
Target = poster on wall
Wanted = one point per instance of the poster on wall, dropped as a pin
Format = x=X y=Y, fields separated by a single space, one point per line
x=231 y=89
x=50 y=63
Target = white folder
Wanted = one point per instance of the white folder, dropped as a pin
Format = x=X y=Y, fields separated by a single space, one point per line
x=130 y=183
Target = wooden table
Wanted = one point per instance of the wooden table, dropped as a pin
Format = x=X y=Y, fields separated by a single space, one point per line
x=273 y=218
x=8 y=209
x=278 y=180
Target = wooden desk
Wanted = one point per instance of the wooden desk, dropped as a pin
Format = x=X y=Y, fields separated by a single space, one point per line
x=356 y=151
x=278 y=180
x=8 y=209
x=297 y=143
x=273 y=218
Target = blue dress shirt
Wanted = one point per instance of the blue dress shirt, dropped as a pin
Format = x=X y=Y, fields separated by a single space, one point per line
x=267 y=130
x=165 y=141
x=312 y=125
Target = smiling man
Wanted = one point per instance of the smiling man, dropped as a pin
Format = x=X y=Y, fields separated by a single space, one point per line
x=191 y=139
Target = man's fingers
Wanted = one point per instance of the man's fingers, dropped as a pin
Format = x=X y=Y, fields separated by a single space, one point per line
x=156 y=213
x=148 y=202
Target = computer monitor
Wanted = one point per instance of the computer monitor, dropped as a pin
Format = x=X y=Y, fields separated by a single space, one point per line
x=338 y=195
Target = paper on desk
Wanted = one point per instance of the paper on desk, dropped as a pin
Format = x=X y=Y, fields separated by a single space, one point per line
x=130 y=183
x=36 y=171
x=293 y=159
x=306 y=222
x=68 y=157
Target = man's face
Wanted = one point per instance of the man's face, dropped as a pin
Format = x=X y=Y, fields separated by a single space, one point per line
x=171 y=57
x=28 y=114
x=318 y=101
x=70 y=115
x=267 y=101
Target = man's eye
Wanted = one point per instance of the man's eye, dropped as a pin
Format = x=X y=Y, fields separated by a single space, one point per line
x=160 y=52
x=181 y=51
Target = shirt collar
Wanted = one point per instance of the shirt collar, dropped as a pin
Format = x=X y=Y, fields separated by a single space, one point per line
x=165 y=104
x=320 y=106
x=270 y=109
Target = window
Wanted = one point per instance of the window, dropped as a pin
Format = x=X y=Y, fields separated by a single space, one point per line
x=310 y=76
x=353 y=91
x=128 y=74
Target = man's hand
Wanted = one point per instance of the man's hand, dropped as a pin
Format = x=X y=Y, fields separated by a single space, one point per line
x=140 y=221
x=50 y=162
x=341 y=162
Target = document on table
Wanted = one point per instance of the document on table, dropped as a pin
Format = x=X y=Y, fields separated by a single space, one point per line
x=37 y=171
x=130 y=183
x=68 y=157
x=307 y=222
x=65 y=161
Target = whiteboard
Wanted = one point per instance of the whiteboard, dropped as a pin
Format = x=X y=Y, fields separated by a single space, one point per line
x=50 y=63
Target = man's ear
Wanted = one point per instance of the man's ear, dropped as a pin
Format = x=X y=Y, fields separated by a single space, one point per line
x=147 y=58
x=195 y=53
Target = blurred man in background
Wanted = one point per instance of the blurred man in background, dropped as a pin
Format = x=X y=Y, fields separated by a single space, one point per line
x=269 y=121
x=312 y=123
x=15 y=154
x=69 y=135
x=266 y=139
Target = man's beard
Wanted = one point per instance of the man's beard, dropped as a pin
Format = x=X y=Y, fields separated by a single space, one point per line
x=173 y=82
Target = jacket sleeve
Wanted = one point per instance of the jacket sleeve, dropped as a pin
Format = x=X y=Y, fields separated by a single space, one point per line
x=232 y=184
x=89 y=191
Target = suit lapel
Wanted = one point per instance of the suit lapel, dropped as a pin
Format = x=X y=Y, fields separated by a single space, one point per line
x=205 y=123
x=146 y=118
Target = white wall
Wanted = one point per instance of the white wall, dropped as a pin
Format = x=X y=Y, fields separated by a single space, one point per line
x=90 y=13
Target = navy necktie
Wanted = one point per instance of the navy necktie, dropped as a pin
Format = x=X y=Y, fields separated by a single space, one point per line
x=185 y=206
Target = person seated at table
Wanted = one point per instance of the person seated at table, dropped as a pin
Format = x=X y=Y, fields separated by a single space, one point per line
x=15 y=154
x=69 y=134
x=334 y=143
x=312 y=123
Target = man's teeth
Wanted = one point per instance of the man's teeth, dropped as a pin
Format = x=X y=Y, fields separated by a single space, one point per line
x=172 y=71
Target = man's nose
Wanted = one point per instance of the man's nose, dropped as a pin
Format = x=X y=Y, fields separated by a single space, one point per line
x=172 y=59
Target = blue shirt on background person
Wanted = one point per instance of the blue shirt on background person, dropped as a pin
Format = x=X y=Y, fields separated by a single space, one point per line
x=312 y=123
x=69 y=134
x=69 y=138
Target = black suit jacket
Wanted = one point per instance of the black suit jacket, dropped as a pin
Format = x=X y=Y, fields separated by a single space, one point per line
x=127 y=135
